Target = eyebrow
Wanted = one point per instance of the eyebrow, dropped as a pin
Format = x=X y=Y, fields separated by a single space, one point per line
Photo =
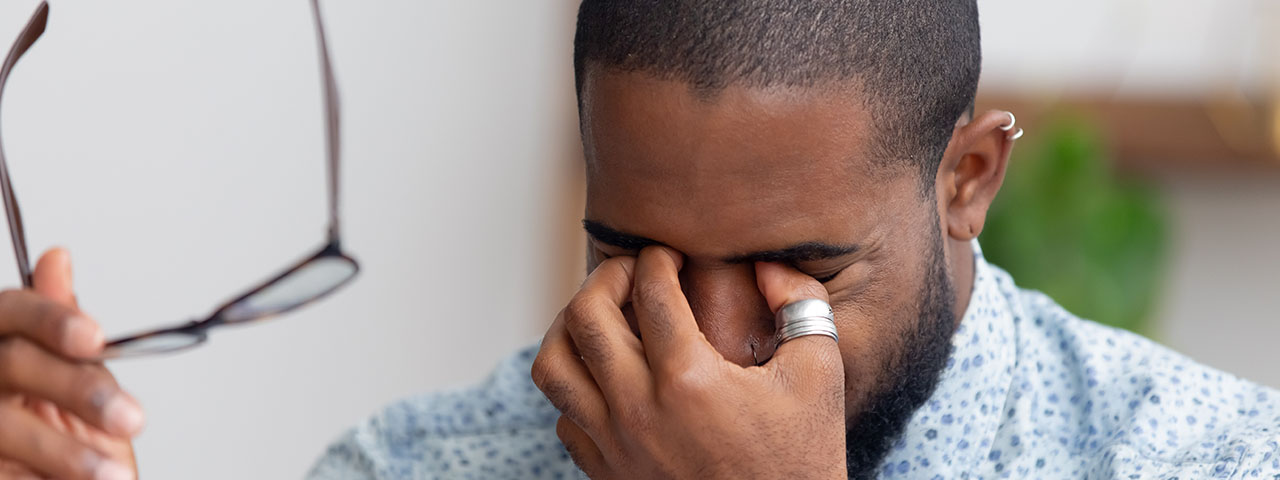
x=608 y=235
x=802 y=252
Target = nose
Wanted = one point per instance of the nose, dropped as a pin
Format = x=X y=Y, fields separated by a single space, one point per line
x=730 y=310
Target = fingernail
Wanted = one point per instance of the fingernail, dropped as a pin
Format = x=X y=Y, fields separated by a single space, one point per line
x=112 y=470
x=83 y=336
x=122 y=415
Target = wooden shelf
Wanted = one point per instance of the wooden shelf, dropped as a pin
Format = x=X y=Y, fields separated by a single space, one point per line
x=1232 y=134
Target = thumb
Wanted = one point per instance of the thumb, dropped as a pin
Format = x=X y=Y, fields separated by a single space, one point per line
x=810 y=360
x=52 y=277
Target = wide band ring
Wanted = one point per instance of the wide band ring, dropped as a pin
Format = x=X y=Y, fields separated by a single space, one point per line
x=805 y=317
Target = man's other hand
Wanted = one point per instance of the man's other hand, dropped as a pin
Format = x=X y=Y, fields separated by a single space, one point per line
x=62 y=415
x=671 y=406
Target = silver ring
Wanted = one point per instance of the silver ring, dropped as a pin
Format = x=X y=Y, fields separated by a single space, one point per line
x=805 y=317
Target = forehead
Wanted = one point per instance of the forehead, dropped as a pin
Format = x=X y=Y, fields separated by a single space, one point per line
x=737 y=170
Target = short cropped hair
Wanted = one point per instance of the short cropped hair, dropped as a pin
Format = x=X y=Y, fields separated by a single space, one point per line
x=915 y=62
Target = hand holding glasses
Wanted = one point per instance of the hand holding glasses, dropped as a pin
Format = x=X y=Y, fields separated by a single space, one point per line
x=316 y=276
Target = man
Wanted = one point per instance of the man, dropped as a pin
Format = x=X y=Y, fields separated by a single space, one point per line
x=743 y=157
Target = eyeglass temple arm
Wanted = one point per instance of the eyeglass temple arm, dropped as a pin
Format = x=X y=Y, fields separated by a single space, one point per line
x=30 y=33
x=333 y=126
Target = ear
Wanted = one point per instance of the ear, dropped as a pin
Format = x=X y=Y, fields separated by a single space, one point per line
x=972 y=171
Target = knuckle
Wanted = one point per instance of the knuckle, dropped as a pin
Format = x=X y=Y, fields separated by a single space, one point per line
x=48 y=321
x=565 y=430
x=560 y=394
x=92 y=388
x=590 y=337
x=651 y=291
x=547 y=379
x=580 y=452
x=56 y=322
x=582 y=308
x=45 y=316
x=684 y=382
x=49 y=313
x=595 y=350
x=541 y=370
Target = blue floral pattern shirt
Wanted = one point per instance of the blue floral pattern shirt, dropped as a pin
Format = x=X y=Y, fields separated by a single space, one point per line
x=1030 y=391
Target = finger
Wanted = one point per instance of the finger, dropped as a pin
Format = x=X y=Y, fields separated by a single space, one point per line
x=812 y=359
x=671 y=338
x=86 y=390
x=595 y=321
x=26 y=440
x=582 y=449
x=52 y=277
x=49 y=412
x=782 y=285
x=21 y=475
x=13 y=471
x=565 y=380
x=55 y=326
x=111 y=446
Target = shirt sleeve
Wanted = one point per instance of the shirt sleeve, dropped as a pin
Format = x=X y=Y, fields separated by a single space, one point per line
x=344 y=459
x=502 y=428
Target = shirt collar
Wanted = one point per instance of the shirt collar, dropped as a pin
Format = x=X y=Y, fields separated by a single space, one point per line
x=965 y=409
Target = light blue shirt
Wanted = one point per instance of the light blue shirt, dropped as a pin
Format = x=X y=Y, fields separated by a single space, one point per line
x=1030 y=391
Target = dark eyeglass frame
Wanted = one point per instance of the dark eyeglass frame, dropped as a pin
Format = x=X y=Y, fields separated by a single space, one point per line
x=195 y=332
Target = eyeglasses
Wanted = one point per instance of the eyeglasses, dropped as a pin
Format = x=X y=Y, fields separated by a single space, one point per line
x=316 y=276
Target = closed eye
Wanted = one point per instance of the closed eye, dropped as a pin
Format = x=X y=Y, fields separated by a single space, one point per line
x=828 y=278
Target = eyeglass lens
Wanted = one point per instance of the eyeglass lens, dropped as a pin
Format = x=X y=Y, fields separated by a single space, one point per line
x=315 y=277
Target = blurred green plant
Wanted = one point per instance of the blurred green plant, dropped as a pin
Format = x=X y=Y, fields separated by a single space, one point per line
x=1064 y=223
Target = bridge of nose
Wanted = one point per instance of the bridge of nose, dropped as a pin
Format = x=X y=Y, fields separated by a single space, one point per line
x=729 y=308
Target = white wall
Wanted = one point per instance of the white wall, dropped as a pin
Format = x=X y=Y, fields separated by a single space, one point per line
x=1132 y=47
x=175 y=147
x=1222 y=295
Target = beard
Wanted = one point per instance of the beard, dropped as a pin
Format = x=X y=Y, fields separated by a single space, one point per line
x=911 y=376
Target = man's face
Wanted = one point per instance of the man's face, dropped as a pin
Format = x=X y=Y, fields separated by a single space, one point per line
x=782 y=175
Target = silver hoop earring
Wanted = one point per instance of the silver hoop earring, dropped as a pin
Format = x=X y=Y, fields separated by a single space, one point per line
x=1012 y=121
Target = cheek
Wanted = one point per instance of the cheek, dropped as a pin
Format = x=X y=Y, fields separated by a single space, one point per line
x=866 y=297
x=873 y=314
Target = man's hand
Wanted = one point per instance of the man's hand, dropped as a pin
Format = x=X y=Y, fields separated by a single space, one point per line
x=672 y=406
x=61 y=414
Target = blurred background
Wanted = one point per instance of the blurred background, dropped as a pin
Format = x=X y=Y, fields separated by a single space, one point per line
x=175 y=147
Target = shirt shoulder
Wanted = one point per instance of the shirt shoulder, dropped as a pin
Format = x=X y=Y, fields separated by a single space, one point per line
x=1133 y=406
x=502 y=428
